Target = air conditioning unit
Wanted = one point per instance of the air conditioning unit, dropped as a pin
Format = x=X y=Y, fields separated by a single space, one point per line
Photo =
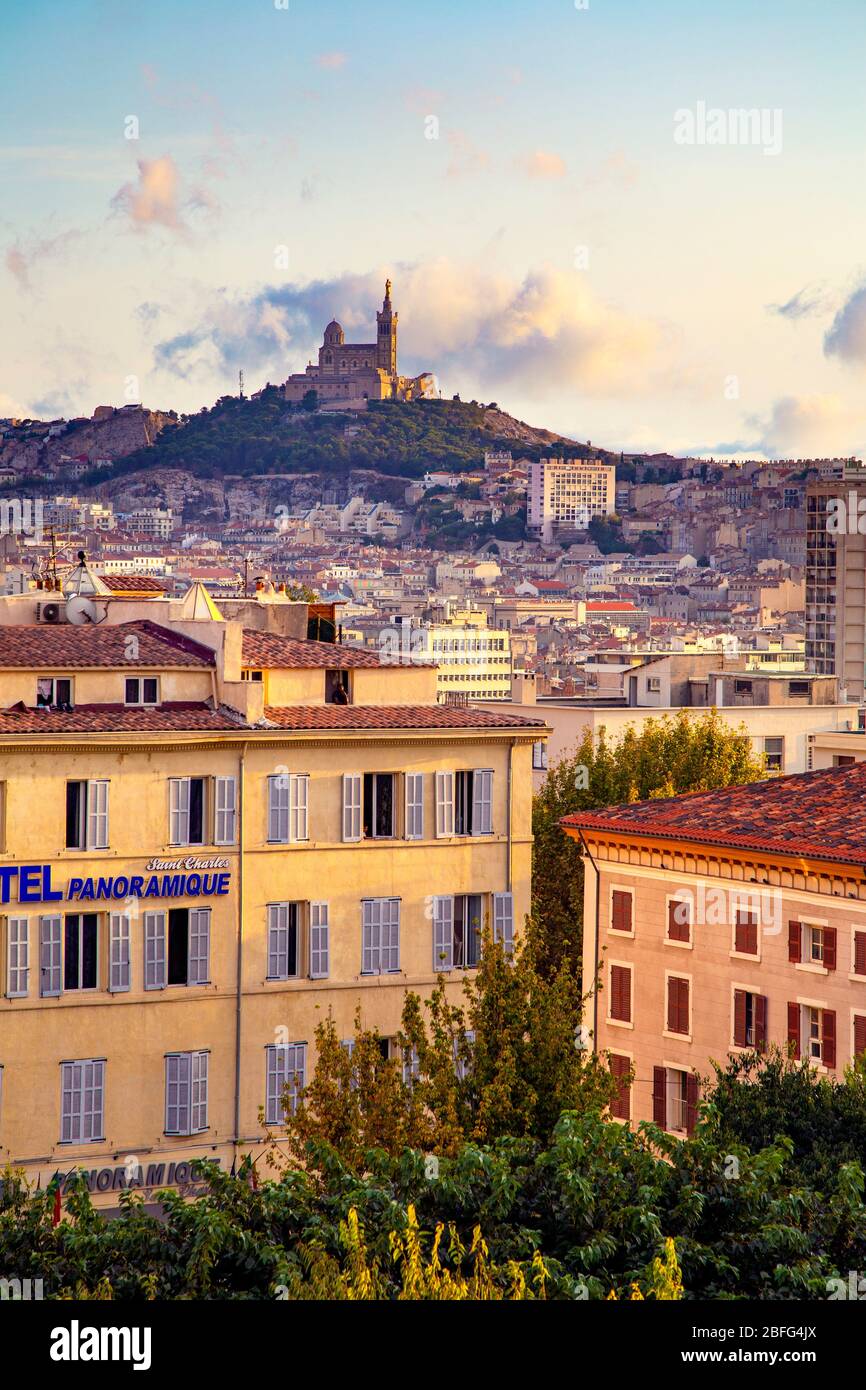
x=51 y=613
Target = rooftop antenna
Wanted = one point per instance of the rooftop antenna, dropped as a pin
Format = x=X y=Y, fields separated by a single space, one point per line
x=241 y=383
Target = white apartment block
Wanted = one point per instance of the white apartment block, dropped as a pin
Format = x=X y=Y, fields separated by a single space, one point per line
x=565 y=494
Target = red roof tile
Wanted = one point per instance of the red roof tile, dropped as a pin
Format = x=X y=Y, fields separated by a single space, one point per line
x=393 y=717
x=135 y=583
x=817 y=814
x=70 y=647
x=178 y=716
x=269 y=649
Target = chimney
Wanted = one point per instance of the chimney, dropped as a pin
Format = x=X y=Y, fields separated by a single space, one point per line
x=523 y=688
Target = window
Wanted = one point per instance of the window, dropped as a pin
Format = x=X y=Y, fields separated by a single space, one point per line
x=80 y=947
x=858 y=961
x=457 y=926
x=619 y=1001
x=17 y=957
x=621 y=910
x=284 y=940
x=812 y=945
x=87 y=815
x=464 y=803
x=679 y=920
x=812 y=1033
x=843 y=760
x=82 y=1101
x=288 y=808
x=177 y=947
x=774 y=754
x=337 y=688
x=141 y=690
x=285 y=1079
x=620 y=1068
x=379 y=805
x=186 y=1092
x=746 y=933
x=742 y=687
x=414 y=805
x=750 y=1019
x=380 y=936
x=54 y=692
x=187 y=810
x=675 y=1099
x=539 y=755
x=678 y=1013
x=503 y=920
x=859 y=1034
x=654 y=684
x=798 y=687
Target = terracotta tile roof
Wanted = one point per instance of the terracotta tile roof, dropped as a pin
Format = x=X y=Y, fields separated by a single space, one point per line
x=817 y=814
x=178 y=716
x=134 y=583
x=393 y=717
x=69 y=647
x=269 y=649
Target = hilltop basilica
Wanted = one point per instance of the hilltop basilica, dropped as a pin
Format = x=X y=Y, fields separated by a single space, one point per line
x=349 y=374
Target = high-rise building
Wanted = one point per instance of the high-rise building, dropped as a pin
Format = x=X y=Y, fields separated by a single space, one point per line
x=565 y=494
x=836 y=584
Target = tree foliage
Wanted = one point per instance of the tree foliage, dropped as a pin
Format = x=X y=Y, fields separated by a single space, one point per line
x=665 y=756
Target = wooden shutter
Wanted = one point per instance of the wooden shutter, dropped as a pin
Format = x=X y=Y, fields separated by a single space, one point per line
x=830 y=948
x=199 y=946
x=49 y=956
x=443 y=934
x=444 y=804
x=740 y=998
x=351 y=806
x=482 y=802
x=860 y=953
x=154 y=950
x=414 y=805
x=760 y=1017
x=746 y=934
x=278 y=941
x=299 y=803
x=17 y=956
x=679 y=926
x=620 y=911
x=691 y=1116
x=503 y=920
x=620 y=993
x=660 y=1099
x=620 y=1106
x=319 y=941
x=828 y=1037
x=278 y=809
x=97 y=815
x=178 y=797
x=795 y=942
x=119 y=952
x=794 y=1026
x=678 y=1005
x=226 y=799
x=859 y=1034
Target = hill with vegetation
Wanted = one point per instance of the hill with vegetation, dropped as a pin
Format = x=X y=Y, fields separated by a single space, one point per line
x=267 y=435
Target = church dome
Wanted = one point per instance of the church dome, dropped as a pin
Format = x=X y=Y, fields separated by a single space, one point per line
x=334 y=332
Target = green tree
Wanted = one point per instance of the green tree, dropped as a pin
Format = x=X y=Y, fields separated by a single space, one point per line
x=664 y=757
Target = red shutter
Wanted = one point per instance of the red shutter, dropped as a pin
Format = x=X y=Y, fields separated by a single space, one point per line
x=620 y=993
x=794 y=1027
x=679 y=925
x=660 y=1099
x=760 y=1016
x=828 y=1037
x=620 y=1106
x=795 y=941
x=691 y=1102
x=860 y=953
x=859 y=1034
x=830 y=948
x=746 y=934
x=740 y=1018
x=621 y=911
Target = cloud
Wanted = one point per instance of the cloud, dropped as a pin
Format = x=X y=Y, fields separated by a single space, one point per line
x=617 y=169
x=805 y=303
x=466 y=158
x=332 y=62
x=10 y=408
x=846 y=336
x=808 y=426
x=23 y=257
x=423 y=100
x=153 y=199
x=538 y=336
x=543 y=164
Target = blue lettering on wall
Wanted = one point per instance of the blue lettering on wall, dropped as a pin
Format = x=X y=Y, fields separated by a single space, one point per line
x=35 y=886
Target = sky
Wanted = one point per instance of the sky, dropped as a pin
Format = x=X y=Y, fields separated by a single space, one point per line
x=574 y=225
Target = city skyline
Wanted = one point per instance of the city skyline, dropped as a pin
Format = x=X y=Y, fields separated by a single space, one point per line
x=553 y=247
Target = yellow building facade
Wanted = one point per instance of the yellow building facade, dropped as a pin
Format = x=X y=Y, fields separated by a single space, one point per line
x=203 y=855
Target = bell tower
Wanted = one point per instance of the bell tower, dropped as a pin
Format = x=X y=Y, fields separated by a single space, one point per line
x=386 y=338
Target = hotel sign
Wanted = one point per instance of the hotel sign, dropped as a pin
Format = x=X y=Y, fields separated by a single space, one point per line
x=162 y=878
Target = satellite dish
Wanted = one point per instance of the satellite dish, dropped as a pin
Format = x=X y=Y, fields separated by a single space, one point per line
x=81 y=610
